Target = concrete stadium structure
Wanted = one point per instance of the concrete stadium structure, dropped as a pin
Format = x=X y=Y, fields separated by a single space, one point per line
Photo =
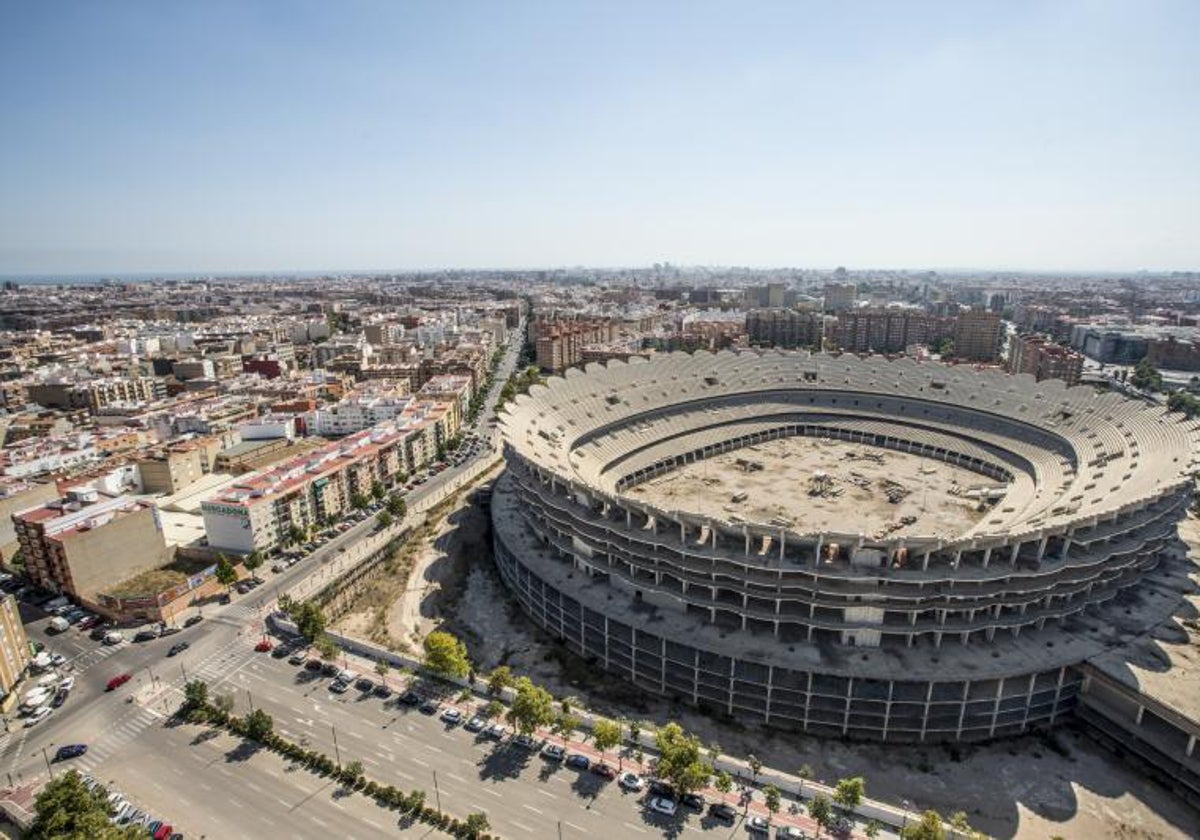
x=908 y=637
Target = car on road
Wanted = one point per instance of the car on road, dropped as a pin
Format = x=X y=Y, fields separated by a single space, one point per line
x=496 y=731
x=579 y=761
x=475 y=724
x=118 y=681
x=758 y=825
x=723 y=812
x=178 y=648
x=632 y=782
x=790 y=832
x=604 y=771
x=37 y=717
x=663 y=805
x=452 y=717
x=692 y=800
x=70 y=751
x=193 y=620
x=553 y=752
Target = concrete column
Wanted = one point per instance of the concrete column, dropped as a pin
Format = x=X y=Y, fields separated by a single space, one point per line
x=1141 y=710
x=1015 y=549
x=1042 y=548
x=925 y=562
x=1191 y=745
x=987 y=556
x=1065 y=549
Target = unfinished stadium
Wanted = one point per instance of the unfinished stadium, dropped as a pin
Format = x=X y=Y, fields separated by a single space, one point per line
x=852 y=547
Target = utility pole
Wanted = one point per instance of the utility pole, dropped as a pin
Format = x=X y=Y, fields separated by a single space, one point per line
x=250 y=699
x=48 y=767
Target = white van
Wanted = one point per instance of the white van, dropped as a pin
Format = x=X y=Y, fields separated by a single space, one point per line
x=58 y=624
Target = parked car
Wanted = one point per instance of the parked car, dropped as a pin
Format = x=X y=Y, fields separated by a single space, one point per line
x=496 y=731
x=98 y=633
x=452 y=717
x=525 y=742
x=663 y=805
x=60 y=697
x=145 y=636
x=193 y=620
x=297 y=658
x=790 y=832
x=429 y=707
x=118 y=681
x=632 y=782
x=364 y=685
x=89 y=622
x=579 y=761
x=410 y=698
x=553 y=752
x=692 y=800
x=383 y=691
x=605 y=771
x=758 y=825
x=70 y=751
x=38 y=716
x=475 y=724
x=169 y=631
x=112 y=637
x=723 y=812
x=178 y=648
x=314 y=665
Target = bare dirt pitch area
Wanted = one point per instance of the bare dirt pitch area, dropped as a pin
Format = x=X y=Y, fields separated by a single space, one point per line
x=813 y=484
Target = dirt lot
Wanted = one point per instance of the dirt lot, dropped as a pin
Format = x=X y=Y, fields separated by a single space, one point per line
x=811 y=484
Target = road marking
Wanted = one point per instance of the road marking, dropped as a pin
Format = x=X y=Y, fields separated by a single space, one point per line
x=318 y=821
x=457 y=778
x=635 y=827
x=531 y=808
x=404 y=775
x=524 y=828
x=416 y=760
x=236 y=803
x=572 y=825
x=283 y=802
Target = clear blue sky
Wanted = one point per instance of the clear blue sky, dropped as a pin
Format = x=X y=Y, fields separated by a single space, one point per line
x=210 y=136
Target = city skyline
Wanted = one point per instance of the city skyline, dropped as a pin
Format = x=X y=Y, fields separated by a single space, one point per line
x=230 y=139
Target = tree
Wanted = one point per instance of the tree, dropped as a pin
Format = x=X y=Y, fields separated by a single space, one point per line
x=396 y=506
x=961 y=823
x=755 y=767
x=286 y=604
x=821 y=811
x=384 y=519
x=680 y=760
x=378 y=491
x=296 y=535
x=635 y=732
x=564 y=724
x=606 y=734
x=224 y=702
x=532 y=707
x=929 y=827
x=477 y=824
x=354 y=769
x=723 y=782
x=500 y=679
x=253 y=560
x=1146 y=376
x=326 y=648
x=568 y=703
x=195 y=694
x=226 y=575
x=805 y=773
x=310 y=620
x=381 y=668
x=493 y=709
x=771 y=794
x=259 y=724
x=358 y=501
x=67 y=810
x=446 y=655
x=872 y=829
x=849 y=792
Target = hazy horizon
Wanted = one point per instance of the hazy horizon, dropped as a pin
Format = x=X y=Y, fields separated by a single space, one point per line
x=236 y=138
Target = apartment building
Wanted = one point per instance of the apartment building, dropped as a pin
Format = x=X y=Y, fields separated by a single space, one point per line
x=560 y=343
x=259 y=512
x=14 y=647
x=840 y=296
x=356 y=413
x=170 y=470
x=887 y=330
x=789 y=328
x=1040 y=357
x=86 y=541
x=978 y=336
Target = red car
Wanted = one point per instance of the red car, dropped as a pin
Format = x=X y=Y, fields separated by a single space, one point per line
x=118 y=681
x=601 y=769
x=263 y=646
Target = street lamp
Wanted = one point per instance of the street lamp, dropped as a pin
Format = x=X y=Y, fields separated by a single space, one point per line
x=48 y=767
x=906 y=805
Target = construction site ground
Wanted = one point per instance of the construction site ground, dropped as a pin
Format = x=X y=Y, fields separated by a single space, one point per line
x=813 y=484
x=1031 y=787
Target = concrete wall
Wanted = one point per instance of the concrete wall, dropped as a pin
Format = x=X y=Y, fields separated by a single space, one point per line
x=116 y=551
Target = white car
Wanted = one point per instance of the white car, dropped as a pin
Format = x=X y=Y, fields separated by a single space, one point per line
x=452 y=716
x=68 y=683
x=37 y=717
x=664 y=806
x=631 y=782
